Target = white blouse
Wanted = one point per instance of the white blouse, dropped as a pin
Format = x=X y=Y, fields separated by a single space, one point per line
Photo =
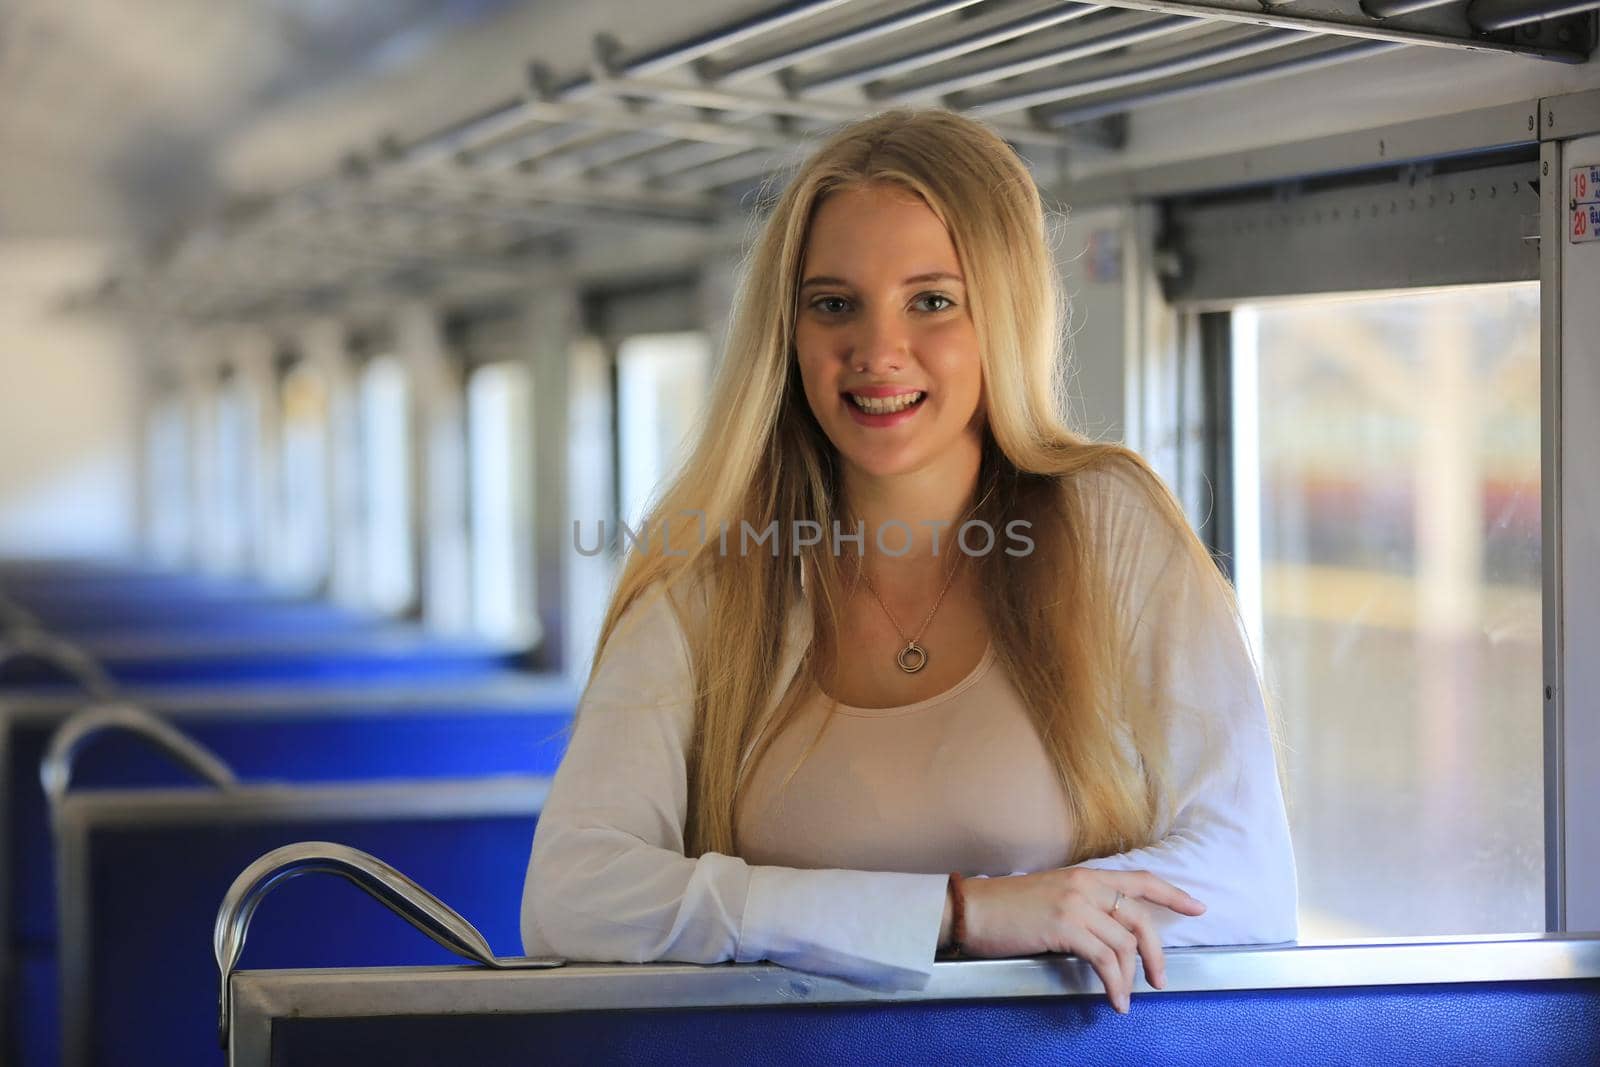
x=608 y=879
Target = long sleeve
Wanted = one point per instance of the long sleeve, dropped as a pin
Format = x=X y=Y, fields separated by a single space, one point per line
x=1227 y=842
x=608 y=879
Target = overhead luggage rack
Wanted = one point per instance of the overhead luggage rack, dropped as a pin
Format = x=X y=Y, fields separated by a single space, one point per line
x=679 y=137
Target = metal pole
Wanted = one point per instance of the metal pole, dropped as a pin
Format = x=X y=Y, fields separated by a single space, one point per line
x=695 y=48
x=1081 y=46
x=1182 y=64
x=1490 y=15
x=1388 y=9
x=788 y=57
x=1158 y=94
x=938 y=53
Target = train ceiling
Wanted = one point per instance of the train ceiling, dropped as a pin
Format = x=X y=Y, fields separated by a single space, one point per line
x=596 y=141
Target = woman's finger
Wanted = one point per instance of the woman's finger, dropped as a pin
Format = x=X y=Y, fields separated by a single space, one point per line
x=1127 y=947
x=1103 y=959
x=1154 y=889
x=1135 y=916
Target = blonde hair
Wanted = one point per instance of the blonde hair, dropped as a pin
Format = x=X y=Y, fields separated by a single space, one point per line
x=763 y=458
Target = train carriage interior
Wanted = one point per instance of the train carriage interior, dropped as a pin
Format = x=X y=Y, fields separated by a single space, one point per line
x=345 y=342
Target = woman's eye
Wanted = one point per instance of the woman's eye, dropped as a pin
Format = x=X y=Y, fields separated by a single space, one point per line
x=833 y=305
x=946 y=304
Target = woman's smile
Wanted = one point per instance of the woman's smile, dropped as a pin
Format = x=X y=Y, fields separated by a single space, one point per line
x=877 y=407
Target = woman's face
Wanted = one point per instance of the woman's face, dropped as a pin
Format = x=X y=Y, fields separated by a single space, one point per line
x=882 y=319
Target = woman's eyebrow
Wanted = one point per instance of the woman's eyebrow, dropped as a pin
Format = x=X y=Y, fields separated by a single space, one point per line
x=915 y=279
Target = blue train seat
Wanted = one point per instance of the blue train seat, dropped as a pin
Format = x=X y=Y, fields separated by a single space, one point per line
x=1533 y=1000
x=142 y=873
x=514 y=725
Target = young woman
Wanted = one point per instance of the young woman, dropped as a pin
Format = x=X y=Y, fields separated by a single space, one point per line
x=1001 y=705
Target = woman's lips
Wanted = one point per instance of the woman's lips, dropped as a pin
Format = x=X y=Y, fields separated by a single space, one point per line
x=893 y=418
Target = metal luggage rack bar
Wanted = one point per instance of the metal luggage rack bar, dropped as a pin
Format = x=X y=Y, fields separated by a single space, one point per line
x=677 y=135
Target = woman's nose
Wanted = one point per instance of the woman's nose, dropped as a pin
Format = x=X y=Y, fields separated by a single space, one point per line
x=882 y=345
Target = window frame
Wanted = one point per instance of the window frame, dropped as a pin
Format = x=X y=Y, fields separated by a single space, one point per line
x=1175 y=357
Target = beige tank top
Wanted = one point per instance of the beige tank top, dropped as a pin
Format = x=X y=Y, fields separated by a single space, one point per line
x=957 y=782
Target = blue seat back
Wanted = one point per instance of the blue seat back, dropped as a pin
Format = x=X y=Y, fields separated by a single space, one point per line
x=155 y=892
x=315 y=746
x=1552 y=1023
x=300 y=662
x=89 y=619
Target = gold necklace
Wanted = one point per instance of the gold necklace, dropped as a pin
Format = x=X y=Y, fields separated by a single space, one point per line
x=913 y=657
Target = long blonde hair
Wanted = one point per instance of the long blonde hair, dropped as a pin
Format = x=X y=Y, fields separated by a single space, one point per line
x=762 y=458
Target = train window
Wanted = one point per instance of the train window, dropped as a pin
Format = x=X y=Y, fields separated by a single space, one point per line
x=500 y=501
x=1386 y=527
x=590 y=472
x=662 y=380
x=167 y=467
x=302 y=556
x=236 y=431
x=386 y=441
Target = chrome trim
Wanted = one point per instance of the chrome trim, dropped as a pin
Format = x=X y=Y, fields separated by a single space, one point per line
x=677 y=55
x=1487 y=16
x=396 y=640
x=1552 y=238
x=1328 y=22
x=988 y=30
x=55 y=770
x=13 y=616
x=71 y=657
x=1182 y=59
x=1578 y=557
x=1093 y=39
x=388 y=886
x=822 y=111
x=1162 y=93
x=509 y=692
x=259 y=997
x=774 y=61
x=1388 y=9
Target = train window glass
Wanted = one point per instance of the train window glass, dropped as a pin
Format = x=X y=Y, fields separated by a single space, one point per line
x=167 y=479
x=303 y=479
x=590 y=473
x=662 y=380
x=386 y=481
x=235 y=442
x=500 y=501
x=1386 y=455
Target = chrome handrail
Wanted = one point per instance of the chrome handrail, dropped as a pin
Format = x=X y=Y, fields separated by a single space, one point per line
x=13 y=616
x=27 y=641
x=389 y=886
x=55 y=772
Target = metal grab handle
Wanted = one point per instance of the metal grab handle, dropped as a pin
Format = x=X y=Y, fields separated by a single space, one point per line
x=13 y=616
x=393 y=889
x=28 y=642
x=69 y=740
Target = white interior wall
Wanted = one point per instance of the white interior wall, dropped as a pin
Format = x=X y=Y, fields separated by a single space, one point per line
x=69 y=422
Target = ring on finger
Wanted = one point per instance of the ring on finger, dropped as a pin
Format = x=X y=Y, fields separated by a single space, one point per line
x=1115 y=904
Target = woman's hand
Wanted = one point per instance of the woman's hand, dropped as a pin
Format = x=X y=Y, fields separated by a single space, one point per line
x=1069 y=910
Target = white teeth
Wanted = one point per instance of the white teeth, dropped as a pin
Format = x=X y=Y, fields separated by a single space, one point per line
x=885 y=405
